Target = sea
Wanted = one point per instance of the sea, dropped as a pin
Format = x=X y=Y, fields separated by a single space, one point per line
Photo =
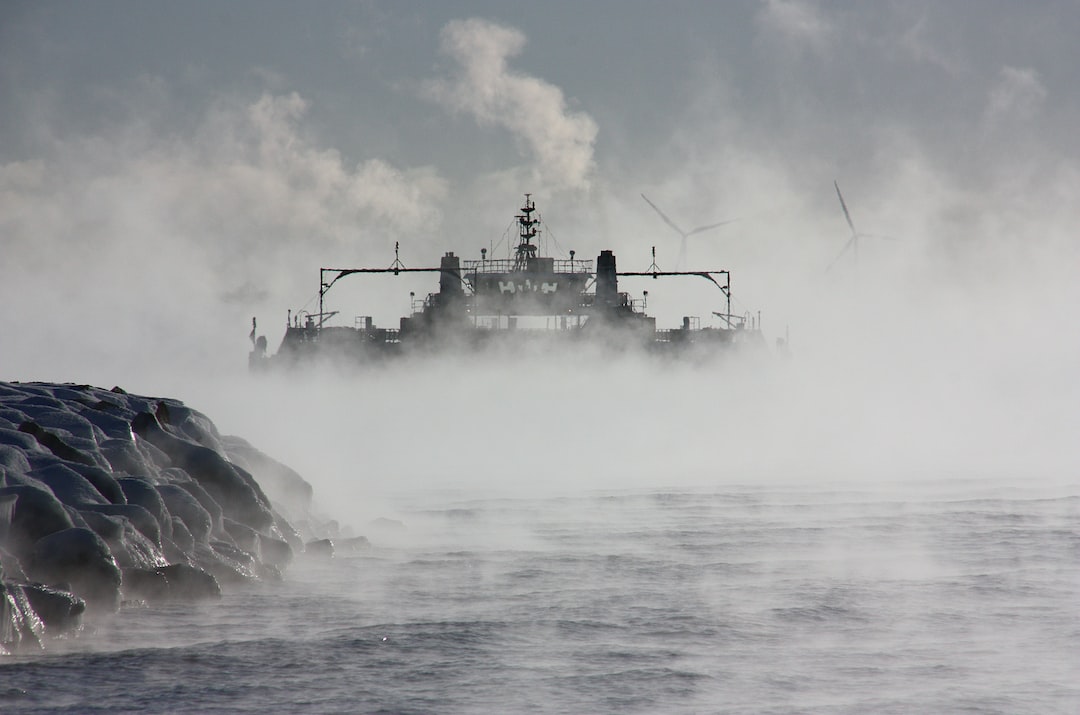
x=955 y=596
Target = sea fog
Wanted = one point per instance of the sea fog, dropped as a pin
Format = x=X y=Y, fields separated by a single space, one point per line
x=882 y=517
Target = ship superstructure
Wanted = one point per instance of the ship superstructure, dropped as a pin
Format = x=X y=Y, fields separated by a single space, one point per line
x=499 y=301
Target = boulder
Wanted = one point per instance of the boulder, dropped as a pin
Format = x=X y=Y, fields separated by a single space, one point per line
x=124 y=457
x=81 y=559
x=69 y=486
x=181 y=538
x=59 y=610
x=231 y=487
x=187 y=508
x=189 y=582
x=13 y=460
x=323 y=548
x=37 y=513
x=224 y=568
x=20 y=625
x=281 y=483
x=129 y=546
x=110 y=529
x=55 y=444
x=140 y=492
x=274 y=552
x=144 y=584
x=103 y=493
x=139 y=516
x=207 y=502
x=103 y=481
x=242 y=535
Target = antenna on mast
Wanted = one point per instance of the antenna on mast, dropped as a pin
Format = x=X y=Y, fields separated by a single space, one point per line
x=685 y=234
x=397 y=265
x=527 y=231
x=654 y=269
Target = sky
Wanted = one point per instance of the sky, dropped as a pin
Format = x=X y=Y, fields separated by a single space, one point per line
x=170 y=170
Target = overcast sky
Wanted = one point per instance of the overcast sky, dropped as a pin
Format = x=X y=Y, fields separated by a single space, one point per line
x=168 y=170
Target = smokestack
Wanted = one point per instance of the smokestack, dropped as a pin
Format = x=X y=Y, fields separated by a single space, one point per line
x=450 y=277
x=607 y=280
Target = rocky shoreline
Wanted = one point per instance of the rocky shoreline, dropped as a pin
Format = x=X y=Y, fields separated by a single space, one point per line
x=108 y=497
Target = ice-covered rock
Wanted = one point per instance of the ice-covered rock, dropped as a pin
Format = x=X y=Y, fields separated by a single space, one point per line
x=81 y=560
x=105 y=495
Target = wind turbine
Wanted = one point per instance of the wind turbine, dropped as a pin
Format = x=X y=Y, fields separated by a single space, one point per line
x=853 y=242
x=685 y=234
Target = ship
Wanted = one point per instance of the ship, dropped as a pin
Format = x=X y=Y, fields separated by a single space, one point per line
x=523 y=300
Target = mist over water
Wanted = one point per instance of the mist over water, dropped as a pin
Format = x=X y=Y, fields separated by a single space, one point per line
x=886 y=520
x=749 y=598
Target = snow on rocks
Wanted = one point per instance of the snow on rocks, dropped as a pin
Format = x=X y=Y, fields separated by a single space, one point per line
x=108 y=497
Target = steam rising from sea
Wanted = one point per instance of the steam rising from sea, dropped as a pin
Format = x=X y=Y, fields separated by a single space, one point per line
x=886 y=521
x=749 y=598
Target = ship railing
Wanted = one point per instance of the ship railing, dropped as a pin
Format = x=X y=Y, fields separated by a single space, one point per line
x=506 y=265
x=552 y=323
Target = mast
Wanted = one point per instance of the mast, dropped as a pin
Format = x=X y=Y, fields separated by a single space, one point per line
x=527 y=231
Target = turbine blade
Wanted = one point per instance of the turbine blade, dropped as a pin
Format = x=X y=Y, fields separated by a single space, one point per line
x=847 y=246
x=668 y=221
x=843 y=205
x=699 y=229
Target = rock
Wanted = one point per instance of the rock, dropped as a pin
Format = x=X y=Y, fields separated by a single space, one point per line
x=55 y=444
x=281 y=483
x=129 y=546
x=283 y=528
x=143 y=584
x=81 y=558
x=69 y=486
x=139 y=516
x=242 y=535
x=123 y=456
x=232 y=488
x=207 y=502
x=104 y=482
x=189 y=582
x=13 y=460
x=108 y=528
x=10 y=568
x=181 y=537
x=323 y=548
x=37 y=513
x=224 y=569
x=274 y=552
x=20 y=625
x=187 y=508
x=140 y=492
x=59 y=610
x=173 y=582
x=19 y=440
x=104 y=492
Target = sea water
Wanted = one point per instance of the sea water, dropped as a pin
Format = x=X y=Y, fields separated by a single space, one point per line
x=955 y=597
